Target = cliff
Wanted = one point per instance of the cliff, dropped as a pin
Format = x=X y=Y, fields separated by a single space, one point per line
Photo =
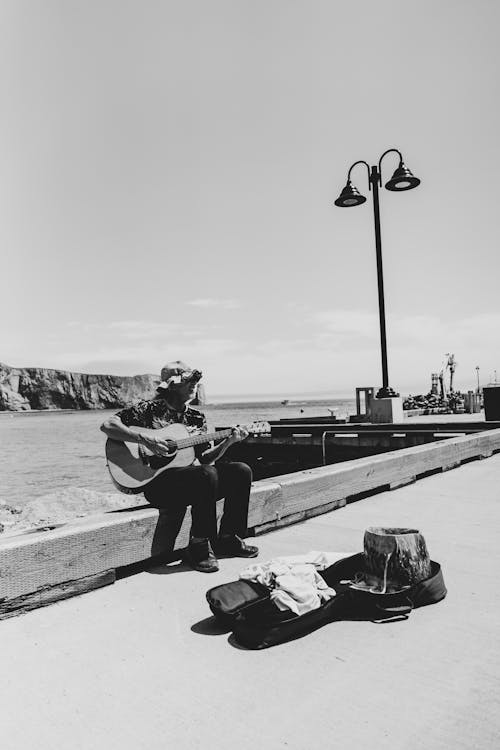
x=22 y=389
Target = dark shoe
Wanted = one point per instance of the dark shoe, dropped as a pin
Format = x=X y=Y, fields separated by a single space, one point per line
x=200 y=556
x=233 y=546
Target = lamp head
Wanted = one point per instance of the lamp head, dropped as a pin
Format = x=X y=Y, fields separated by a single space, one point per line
x=350 y=196
x=402 y=179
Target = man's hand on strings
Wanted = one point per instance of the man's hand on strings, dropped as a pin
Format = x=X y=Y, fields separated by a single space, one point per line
x=156 y=445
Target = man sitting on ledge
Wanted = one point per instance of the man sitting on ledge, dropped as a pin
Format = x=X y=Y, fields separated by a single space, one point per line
x=203 y=482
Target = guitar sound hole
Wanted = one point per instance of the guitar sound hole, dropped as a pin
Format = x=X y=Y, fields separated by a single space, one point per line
x=172 y=446
x=157 y=462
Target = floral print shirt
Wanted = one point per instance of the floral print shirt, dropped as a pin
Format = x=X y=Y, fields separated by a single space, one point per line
x=156 y=414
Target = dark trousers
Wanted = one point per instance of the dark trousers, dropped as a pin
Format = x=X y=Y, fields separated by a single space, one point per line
x=201 y=487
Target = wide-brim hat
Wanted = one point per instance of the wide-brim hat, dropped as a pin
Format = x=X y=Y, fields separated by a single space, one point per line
x=172 y=370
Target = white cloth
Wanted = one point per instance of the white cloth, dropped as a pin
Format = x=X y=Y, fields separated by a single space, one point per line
x=294 y=581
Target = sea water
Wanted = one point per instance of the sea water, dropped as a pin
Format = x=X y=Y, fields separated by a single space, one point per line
x=45 y=452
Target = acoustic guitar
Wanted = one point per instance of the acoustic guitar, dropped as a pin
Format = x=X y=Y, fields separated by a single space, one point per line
x=133 y=466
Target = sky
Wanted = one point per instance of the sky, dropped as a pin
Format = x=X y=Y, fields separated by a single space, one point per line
x=167 y=178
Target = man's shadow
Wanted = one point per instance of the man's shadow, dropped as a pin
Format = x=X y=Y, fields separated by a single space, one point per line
x=163 y=549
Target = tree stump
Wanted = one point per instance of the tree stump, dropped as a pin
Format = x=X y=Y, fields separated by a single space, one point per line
x=395 y=558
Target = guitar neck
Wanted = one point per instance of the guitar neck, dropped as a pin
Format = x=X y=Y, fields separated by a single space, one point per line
x=205 y=437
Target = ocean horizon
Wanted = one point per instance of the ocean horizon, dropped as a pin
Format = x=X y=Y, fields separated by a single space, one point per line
x=252 y=398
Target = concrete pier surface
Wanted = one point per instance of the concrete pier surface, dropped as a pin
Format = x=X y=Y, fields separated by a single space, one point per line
x=141 y=665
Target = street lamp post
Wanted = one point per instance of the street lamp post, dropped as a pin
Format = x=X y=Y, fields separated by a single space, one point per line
x=401 y=180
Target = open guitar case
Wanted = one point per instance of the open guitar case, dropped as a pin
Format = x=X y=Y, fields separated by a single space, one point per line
x=257 y=622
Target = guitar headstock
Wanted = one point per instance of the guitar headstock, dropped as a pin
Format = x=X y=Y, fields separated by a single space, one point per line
x=258 y=428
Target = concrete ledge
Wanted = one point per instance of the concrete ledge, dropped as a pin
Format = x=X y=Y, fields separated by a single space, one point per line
x=34 y=562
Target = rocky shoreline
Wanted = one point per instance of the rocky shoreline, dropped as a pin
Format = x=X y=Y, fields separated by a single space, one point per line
x=37 y=388
x=60 y=507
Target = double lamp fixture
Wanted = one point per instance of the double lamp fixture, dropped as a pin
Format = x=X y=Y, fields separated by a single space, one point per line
x=401 y=180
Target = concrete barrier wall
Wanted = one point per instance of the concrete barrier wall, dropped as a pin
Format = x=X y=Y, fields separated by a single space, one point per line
x=40 y=567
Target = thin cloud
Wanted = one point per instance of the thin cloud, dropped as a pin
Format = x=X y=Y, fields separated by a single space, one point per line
x=213 y=347
x=212 y=303
x=346 y=322
x=152 y=330
x=137 y=329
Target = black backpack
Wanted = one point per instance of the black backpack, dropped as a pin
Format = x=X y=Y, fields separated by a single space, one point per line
x=257 y=622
